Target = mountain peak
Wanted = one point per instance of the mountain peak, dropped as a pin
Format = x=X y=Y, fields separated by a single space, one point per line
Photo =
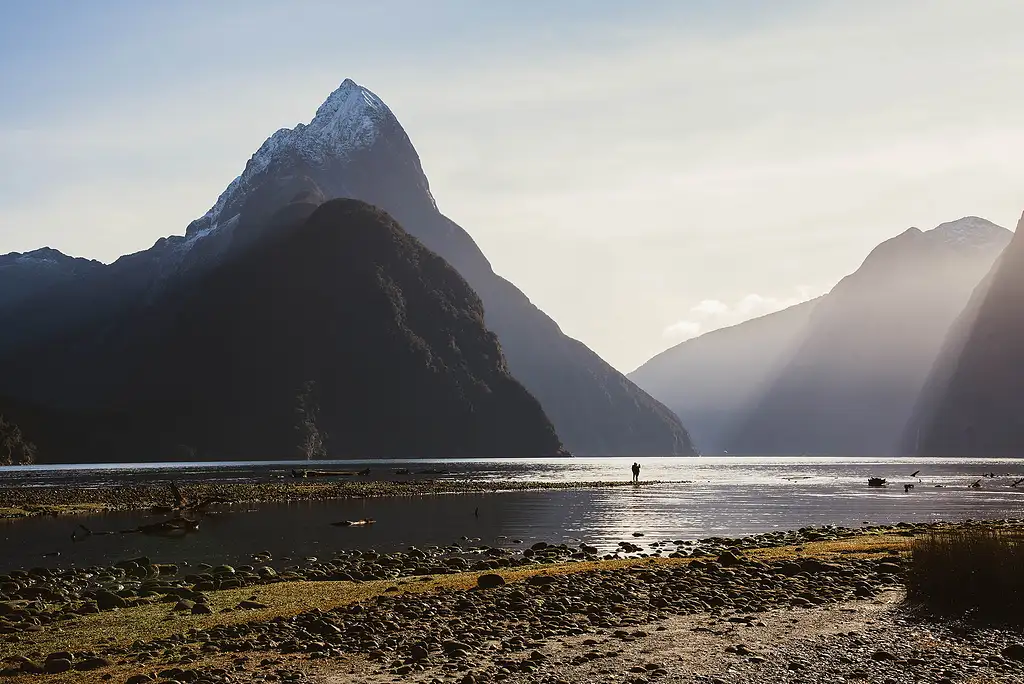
x=970 y=231
x=44 y=256
x=349 y=99
x=350 y=119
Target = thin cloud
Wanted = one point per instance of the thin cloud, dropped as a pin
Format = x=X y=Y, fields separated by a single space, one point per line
x=712 y=314
x=682 y=330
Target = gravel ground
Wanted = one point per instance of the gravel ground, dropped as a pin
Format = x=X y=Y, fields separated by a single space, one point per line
x=854 y=641
x=735 y=616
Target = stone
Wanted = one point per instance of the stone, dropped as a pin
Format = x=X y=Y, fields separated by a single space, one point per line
x=1014 y=652
x=92 y=663
x=107 y=600
x=490 y=581
x=728 y=558
x=57 y=665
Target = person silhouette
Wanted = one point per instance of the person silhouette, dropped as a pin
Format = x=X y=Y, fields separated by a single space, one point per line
x=636 y=472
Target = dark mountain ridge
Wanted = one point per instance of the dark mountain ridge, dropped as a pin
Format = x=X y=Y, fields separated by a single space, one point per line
x=338 y=309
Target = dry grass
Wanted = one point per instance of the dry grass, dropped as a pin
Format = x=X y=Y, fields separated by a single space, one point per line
x=970 y=573
x=27 y=510
x=864 y=545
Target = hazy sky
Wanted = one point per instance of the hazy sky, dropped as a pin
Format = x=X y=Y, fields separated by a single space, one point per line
x=643 y=171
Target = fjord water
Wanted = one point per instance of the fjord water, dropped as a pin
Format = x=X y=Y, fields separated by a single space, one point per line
x=696 y=498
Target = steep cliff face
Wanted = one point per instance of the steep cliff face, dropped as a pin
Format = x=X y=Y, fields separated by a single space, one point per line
x=851 y=386
x=839 y=375
x=338 y=327
x=354 y=147
x=972 y=403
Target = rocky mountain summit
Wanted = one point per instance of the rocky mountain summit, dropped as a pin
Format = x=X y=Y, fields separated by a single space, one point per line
x=354 y=147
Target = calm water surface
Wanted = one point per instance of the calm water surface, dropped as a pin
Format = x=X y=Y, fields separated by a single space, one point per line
x=700 y=497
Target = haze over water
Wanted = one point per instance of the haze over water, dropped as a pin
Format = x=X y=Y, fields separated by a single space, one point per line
x=696 y=498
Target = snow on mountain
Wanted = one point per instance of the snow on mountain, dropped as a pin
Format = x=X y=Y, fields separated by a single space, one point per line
x=348 y=120
x=44 y=257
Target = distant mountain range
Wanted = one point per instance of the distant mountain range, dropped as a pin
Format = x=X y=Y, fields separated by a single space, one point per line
x=971 y=405
x=839 y=375
x=57 y=311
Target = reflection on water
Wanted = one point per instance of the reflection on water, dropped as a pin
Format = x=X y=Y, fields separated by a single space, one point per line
x=701 y=497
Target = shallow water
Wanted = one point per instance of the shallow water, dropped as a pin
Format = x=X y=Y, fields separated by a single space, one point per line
x=701 y=497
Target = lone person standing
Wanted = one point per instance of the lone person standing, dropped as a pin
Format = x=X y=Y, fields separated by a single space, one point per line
x=636 y=472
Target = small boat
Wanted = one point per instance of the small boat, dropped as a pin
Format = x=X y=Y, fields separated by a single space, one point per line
x=354 y=523
x=876 y=482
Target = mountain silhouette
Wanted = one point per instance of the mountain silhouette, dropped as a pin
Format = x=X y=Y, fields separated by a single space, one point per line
x=354 y=147
x=337 y=323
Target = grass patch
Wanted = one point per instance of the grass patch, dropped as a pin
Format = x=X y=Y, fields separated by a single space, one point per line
x=865 y=545
x=27 y=510
x=969 y=573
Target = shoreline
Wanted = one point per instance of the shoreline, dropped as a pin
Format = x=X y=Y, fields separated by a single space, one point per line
x=768 y=605
x=24 y=502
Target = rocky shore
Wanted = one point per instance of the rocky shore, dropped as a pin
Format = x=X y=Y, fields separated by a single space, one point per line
x=17 y=502
x=548 y=613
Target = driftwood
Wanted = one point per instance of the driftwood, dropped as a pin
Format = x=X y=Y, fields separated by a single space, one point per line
x=354 y=523
x=183 y=503
x=174 y=527
x=329 y=473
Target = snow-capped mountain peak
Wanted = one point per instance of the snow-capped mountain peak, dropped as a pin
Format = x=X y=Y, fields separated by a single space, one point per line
x=348 y=120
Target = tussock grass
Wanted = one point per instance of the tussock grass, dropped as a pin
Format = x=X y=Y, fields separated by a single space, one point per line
x=976 y=574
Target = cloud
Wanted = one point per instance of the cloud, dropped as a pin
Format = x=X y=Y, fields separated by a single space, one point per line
x=712 y=314
x=682 y=330
x=711 y=307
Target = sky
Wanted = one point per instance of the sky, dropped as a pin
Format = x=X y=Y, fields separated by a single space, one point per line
x=644 y=172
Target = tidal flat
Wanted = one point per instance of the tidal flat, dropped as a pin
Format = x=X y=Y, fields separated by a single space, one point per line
x=21 y=502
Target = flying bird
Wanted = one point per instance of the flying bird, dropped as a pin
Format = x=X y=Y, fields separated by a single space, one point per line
x=914 y=474
x=1017 y=482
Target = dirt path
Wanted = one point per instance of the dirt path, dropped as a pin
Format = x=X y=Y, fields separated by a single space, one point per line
x=866 y=641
